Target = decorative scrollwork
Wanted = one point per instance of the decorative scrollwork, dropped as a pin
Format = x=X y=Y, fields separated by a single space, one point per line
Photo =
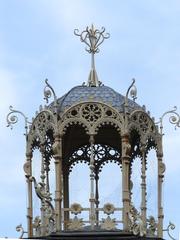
x=93 y=38
x=174 y=118
x=20 y=229
x=13 y=119
x=132 y=90
x=49 y=92
x=152 y=226
x=171 y=226
x=135 y=222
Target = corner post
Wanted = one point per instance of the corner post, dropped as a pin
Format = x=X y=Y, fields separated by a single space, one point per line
x=126 y=149
x=57 y=154
x=161 y=170
x=28 y=173
x=143 y=186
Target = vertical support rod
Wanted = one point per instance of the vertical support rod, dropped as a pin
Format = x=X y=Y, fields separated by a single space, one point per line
x=143 y=186
x=97 y=198
x=92 y=197
x=161 y=170
x=30 y=202
x=57 y=153
x=43 y=203
x=66 y=197
x=126 y=148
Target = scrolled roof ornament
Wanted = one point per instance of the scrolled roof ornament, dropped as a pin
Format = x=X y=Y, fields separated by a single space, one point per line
x=92 y=37
x=132 y=91
x=49 y=92
x=12 y=119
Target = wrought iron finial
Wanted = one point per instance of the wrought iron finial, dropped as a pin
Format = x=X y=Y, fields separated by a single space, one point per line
x=132 y=90
x=12 y=119
x=173 y=119
x=93 y=38
x=49 y=92
x=171 y=226
x=20 y=229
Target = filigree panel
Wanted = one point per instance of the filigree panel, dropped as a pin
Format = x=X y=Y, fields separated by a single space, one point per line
x=91 y=115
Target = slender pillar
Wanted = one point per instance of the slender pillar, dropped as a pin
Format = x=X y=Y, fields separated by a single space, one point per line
x=66 y=197
x=161 y=170
x=43 y=203
x=57 y=151
x=143 y=186
x=97 y=198
x=126 y=148
x=28 y=173
x=92 y=216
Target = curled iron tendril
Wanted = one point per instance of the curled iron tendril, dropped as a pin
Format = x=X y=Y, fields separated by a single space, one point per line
x=13 y=119
x=93 y=38
x=49 y=92
x=171 y=226
x=174 y=118
x=20 y=229
x=132 y=90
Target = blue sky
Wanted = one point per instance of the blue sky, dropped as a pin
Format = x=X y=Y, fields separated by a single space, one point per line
x=37 y=42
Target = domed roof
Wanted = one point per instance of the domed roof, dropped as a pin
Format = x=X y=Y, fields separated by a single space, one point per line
x=102 y=94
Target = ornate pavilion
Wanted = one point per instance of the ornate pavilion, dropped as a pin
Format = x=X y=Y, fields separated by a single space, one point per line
x=95 y=125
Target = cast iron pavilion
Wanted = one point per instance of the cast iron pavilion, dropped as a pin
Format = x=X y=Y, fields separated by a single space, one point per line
x=95 y=125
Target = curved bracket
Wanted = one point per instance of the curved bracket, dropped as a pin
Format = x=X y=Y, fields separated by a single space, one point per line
x=171 y=226
x=20 y=229
x=174 y=118
x=12 y=119
x=49 y=92
x=132 y=90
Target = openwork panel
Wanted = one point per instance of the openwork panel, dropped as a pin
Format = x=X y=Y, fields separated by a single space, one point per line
x=102 y=155
x=91 y=115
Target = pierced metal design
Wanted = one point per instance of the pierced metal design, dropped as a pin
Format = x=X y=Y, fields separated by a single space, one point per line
x=20 y=229
x=171 y=226
x=173 y=119
x=102 y=155
x=93 y=38
x=49 y=92
x=132 y=90
x=12 y=119
x=91 y=112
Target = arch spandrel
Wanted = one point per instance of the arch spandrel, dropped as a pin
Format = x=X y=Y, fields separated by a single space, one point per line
x=91 y=115
x=44 y=121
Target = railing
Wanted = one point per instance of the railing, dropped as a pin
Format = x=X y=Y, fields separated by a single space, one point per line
x=74 y=221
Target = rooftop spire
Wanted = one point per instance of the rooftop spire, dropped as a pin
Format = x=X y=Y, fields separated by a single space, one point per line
x=93 y=38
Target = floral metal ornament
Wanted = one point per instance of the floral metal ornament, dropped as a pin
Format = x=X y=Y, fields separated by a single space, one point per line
x=108 y=208
x=152 y=226
x=75 y=224
x=13 y=119
x=108 y=223
x=76 y=208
